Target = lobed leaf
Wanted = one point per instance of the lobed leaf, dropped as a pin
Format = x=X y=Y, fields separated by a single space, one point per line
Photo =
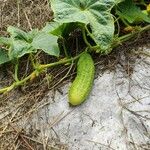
x=22 y=43
x=96 y=13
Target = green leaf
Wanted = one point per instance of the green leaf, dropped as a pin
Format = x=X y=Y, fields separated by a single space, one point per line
x=3 y=56
x=17 y=33
x=54 y=28
x=4 y=41
x=19 y=48
x=46 y=42
x=32 y=34
x=22 y=43
x=60 y=29
x=128 y=11
x=96 y=13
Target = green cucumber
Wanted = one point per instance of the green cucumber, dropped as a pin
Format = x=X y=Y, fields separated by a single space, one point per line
x=83 y=82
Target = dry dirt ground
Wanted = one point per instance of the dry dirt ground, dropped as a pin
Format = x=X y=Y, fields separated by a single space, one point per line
x=116 y=116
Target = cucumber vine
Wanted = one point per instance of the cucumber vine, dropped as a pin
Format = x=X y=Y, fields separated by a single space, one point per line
x=97 y=29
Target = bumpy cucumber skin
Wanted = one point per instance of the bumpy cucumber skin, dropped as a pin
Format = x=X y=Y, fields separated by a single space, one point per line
x=83 y=82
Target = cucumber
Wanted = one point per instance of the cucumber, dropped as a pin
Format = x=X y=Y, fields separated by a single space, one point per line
x=83 y=82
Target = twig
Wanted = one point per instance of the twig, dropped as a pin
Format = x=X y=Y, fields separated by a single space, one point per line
x=20 y=135
x=34 y=140
x=142 y=53
x=18 y=12
x=136 y=114
x=59 y=118
x=10 y=120
x=63 y=77
x=30 y=26
x=107 y=146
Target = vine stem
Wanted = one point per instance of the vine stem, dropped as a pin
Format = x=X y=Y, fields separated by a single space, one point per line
x=126 y=37
x=84 y=37
x=87 y=30
x=44 y=66
x=64 y=47
x=130 y=35
x=41 y=67
x=16 y=71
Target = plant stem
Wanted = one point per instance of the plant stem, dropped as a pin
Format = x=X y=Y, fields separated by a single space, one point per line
x=32 y=60
x=130 y=35
x=64 y=47
x=45 y=66
x=16 y=71
x=41 y=67
x=84 y=37
x=89 y=32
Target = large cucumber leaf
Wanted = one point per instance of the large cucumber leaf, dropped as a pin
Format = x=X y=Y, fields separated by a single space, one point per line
x=96 y=13
x=21 y=42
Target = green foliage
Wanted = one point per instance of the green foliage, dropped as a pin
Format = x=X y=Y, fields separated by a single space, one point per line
x=128 y=11
x=92 y=12
x=61 y=29
x=19 y=48
x=4 y=41
x=18 y=34
x=21 y=43
x=46 y=42
x=3 y=56
x=93 y=18
x=54 y=28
